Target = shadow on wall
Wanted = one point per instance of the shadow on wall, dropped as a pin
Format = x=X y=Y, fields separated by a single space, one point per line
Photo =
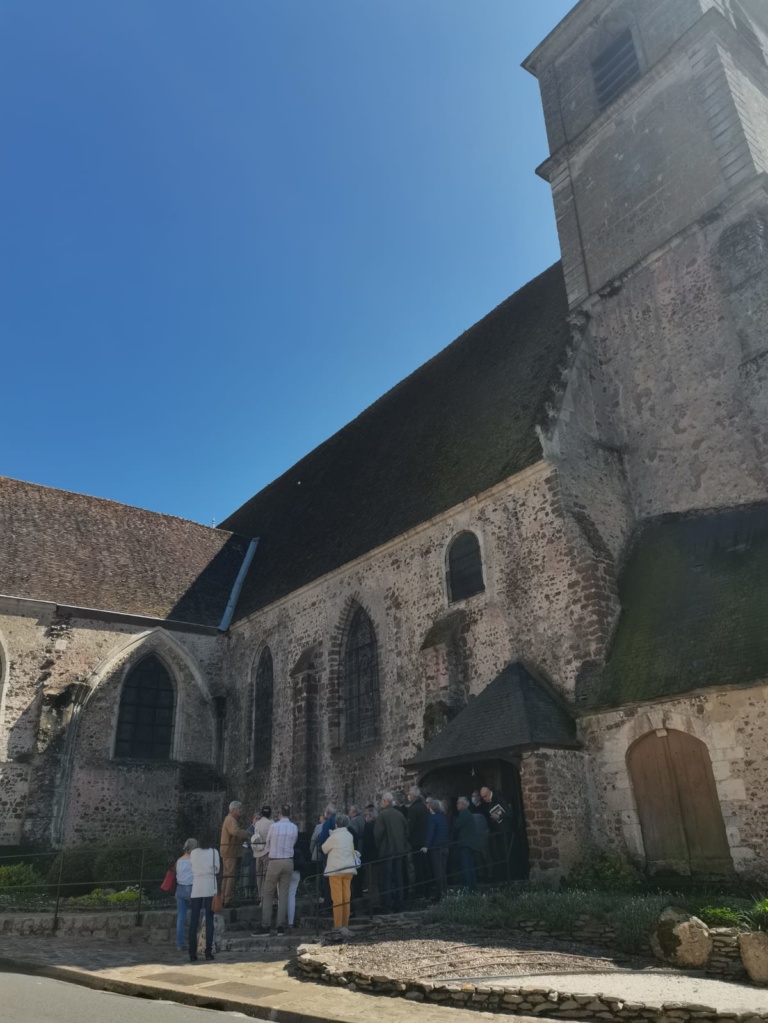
x=204 y=601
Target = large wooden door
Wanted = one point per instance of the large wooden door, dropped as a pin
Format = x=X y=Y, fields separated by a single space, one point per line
x=680 y=815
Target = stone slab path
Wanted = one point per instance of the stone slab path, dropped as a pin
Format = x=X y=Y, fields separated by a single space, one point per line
x=264 y=989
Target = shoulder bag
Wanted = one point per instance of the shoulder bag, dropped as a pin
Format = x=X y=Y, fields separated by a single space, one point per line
x=169 y=881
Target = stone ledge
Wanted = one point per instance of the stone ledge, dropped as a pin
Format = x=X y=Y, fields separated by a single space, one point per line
x=514 y=1000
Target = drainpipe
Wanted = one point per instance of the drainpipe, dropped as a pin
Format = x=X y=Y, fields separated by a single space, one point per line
x=234 y=596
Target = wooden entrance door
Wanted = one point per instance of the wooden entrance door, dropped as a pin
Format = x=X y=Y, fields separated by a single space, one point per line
x=680 y=815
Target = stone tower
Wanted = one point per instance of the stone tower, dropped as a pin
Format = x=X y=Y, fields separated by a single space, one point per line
x=657 y=119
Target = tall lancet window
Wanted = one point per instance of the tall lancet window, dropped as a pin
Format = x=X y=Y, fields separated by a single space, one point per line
x=263 y=690
x=360 y=681
x=145 y=717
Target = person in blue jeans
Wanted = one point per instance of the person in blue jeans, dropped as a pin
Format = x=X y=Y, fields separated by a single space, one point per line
x=206 y=866
x=465 y=833
x=184 y=880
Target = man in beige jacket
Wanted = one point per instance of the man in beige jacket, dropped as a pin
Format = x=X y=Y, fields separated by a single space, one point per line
x=232 y=838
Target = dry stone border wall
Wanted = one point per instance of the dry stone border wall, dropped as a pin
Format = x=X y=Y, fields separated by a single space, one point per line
x=508 y=998
x=587 y=930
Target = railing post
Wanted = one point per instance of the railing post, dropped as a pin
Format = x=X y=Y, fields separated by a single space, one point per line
x=317 y=898
x=141 y=888
x=58 y=893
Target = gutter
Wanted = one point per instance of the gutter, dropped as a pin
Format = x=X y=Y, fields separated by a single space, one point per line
x=10 y=604
x=234 y=596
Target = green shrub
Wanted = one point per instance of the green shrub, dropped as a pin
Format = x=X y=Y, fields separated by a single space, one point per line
x=756 y=917
x=126 y=897
x=101 y=898
x=94 y=899
x=77 y=873
x=607 y=871
x=19 y=875
x=121 y=864
x=633 y=916
x=719 y=916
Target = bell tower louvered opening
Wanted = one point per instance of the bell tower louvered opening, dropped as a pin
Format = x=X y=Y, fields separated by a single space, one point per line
x=616 y=68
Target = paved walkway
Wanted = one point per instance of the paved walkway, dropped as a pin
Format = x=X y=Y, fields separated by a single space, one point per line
x=260 y=982
x=264 y=989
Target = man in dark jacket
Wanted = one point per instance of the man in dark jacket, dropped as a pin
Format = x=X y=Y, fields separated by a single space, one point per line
x=418 y=822
x=465 y=834
x=500 y=826
x=391 y=834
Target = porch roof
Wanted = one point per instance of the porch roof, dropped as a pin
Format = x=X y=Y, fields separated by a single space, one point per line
x=516 y=711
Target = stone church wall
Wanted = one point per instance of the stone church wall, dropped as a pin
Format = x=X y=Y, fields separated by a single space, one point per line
x=679 y=364
x=731 y=723
x=59 y=782
x=544 y=602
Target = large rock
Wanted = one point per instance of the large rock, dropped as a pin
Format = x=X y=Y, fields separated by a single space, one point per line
x=754 y=955
x=681 y=939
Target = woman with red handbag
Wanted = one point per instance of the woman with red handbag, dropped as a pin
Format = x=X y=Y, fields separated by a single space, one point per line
x=181 y=886
x=206 y=865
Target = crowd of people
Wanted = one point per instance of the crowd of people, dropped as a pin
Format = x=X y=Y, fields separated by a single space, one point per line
x=407 y=847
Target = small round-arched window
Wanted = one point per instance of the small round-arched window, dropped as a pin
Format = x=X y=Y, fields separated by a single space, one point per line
x=465 y=567
x=145 y=718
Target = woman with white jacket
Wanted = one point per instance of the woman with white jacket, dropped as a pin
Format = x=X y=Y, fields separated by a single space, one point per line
x=340 y=869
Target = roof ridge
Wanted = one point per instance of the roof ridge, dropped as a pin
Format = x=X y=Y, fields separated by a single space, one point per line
x=422 y=370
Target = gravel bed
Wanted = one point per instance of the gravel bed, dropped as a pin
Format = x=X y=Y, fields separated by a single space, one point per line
x=433 y=953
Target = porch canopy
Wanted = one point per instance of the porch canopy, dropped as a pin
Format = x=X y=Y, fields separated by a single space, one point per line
x=518 y=711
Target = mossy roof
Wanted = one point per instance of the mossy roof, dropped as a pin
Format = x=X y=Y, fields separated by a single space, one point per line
x=463 y=422
x=694 y=609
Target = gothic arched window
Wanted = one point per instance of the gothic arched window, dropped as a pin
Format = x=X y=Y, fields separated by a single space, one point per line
x=360 y=681
x=465 y=567
x=145 y=718
x=263 y=686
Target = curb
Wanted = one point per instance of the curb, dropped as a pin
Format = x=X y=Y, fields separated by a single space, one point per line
x=200 y=1000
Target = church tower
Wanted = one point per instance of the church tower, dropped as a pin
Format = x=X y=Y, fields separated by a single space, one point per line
x=657 y=120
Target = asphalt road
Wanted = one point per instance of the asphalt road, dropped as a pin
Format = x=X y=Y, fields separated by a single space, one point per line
x=27 y=999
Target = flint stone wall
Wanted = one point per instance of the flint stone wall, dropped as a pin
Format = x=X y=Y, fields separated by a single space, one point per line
x=545 y=601
x=729 y=723
x=61 y=682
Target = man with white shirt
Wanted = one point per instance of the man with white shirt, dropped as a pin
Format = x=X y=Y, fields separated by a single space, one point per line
x=281 y=838
x=259 y=847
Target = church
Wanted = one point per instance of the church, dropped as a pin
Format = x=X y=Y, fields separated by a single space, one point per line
x=539 y=563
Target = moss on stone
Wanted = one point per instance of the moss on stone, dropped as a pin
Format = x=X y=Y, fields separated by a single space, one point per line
x=694 y=596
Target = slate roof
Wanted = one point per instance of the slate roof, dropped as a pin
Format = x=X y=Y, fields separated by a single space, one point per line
x=87 y=552
x=516 y=711
x=694 y=597
x=460 y=424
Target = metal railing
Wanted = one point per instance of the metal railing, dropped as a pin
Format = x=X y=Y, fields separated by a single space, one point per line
x=60 y=891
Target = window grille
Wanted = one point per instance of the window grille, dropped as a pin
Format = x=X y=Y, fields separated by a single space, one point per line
x=263 y=690
x=360 y=682
x=616 y=68
x=145 y=717
x=465 y=567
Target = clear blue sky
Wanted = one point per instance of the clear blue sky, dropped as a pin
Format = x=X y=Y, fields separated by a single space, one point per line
x=228 y=226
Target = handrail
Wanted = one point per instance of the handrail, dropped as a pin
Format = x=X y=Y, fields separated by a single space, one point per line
x=60 y=886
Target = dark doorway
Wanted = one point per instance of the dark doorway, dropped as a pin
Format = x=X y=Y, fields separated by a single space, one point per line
x=503 y=776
